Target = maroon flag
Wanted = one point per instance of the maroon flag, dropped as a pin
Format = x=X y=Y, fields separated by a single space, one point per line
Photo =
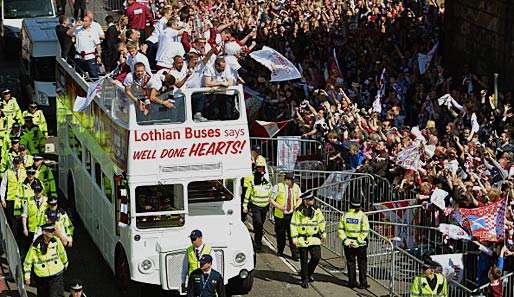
x=267 y=129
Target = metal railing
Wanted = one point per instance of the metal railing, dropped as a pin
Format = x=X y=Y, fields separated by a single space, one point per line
x=307 y=149
x=12 y=254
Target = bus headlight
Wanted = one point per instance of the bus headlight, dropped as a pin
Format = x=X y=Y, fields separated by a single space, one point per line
x=240 y=258
x=145 y=266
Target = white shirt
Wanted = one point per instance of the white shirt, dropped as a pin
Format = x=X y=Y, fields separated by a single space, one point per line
x=138 y=86
x=179 y=74
x=169 y=47
x=96 y=26
x=195 y=80
x=86 y=41
x=139 y=57
x=3 y=186
x=221 y=77
x=158 y=29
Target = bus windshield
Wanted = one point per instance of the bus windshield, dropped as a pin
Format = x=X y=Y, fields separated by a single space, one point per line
x=157 y=206
x=210 y=191
x=160 y=114
x=18 y=9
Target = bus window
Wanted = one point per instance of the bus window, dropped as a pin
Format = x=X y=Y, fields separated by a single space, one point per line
x=160 y=114
x=75 y=145
x=159 y=199
x=98 y=175
x=210 y=191
x=216 y=105
x=107 y=187
x=87 y=161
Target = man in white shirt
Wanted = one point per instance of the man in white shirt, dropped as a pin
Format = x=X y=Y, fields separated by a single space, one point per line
x=96 y=26
x=87 y=44
x=180 y=71
x=138 y=85
x=153 y=40
x=169 y=44
x=134 y=57
x=219 y=76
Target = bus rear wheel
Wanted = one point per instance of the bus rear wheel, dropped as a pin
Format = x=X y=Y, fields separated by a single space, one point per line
x=126 y=285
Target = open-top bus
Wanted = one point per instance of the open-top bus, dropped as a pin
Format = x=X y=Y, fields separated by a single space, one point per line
x=141 y=183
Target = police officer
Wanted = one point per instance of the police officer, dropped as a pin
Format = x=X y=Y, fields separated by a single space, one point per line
x=429 y=283
x=77 y=289
x=46 y=176
x=26 y=191
x=33 y=209
x=10 y=187
x=194 y=252
x=47 y=258
x=27 y=159
x=58 y=216
x=285 y=199
x=32 y=137
x=205 y=281
x=38 y=118
x=307 y=231
x=10 y=150
x=353 y=231
x=11 y=108
x=258 y=199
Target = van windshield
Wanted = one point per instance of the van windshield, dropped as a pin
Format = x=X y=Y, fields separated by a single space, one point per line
x=18 y=9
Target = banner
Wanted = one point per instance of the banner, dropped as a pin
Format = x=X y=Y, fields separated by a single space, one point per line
x=288 y=148
x=403 y=235
x=93 y=90
x=438 y=198
x=486 y=223
x=409 y=157
x=453 y=266
x=268 y=129
x=281 y=68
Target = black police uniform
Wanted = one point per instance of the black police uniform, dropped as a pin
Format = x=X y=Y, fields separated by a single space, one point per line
x=205 y=284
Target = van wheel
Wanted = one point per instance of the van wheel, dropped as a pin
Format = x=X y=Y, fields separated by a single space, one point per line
x=127 y=286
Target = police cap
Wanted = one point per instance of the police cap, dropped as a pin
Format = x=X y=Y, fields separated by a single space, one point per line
x=289 y=176
x=16 y=125
x=52 y=200
x=308 y=195
x=38 y=158
x=15 y=140
x=204 y=259
x=28 y=118
x=195 y=234
x=430 y=264
x=32 y=105
x=52 y=215
x=256 y=148
x=37 y=187
x=31 y=171
x=17 y=160
x=76 y=285
x=355 y=204
x=50 y=227
x=6 y=91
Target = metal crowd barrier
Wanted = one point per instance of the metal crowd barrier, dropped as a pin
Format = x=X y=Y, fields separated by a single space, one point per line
x=384 y=191
x=308 y=149
x=12 y=254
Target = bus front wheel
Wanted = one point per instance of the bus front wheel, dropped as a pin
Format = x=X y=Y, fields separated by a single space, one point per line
x=240 y=286
x=125 y=284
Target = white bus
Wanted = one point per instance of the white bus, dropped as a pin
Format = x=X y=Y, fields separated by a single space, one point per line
x=141 y=184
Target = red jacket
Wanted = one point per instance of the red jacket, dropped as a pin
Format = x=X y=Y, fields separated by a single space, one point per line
x=138 y=16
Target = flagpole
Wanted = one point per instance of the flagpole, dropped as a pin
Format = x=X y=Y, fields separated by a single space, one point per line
x=496 y=89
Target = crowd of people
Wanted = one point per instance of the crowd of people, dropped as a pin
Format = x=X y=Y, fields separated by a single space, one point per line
x=364 y=93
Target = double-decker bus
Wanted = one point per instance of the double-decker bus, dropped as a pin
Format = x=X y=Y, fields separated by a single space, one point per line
x=140 y=183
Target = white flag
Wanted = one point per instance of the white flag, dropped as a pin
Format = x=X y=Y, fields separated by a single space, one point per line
x=409 y=157
x=424 y=60
x=93 y=90
x=454 y=232
x=452 y=264
x=281 y=68
x=377 y=106
x=437 y=198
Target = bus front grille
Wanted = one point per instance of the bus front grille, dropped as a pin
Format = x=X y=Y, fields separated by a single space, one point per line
x=176 y=265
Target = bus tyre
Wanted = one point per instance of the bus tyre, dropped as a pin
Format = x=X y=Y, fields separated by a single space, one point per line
x=126 y=285
x=239 y=286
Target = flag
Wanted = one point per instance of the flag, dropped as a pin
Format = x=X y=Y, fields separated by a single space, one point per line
x=424 y=60
x=288 y=149
x=453 y=232
x=382 y=84
x=377 y=105
x=267 y=129
x=486 y=223
x=409 y=157
x=94 y=89
x=253 y=102
x=438 y=198
x=281 y=68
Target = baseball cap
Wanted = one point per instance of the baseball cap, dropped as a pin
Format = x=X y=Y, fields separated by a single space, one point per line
x=204 y=259
x=195 y=234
